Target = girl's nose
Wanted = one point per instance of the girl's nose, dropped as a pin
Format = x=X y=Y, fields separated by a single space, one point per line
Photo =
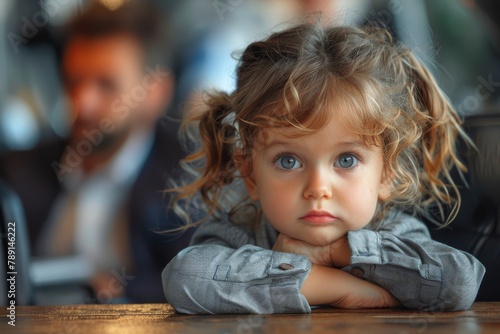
x=318 y=185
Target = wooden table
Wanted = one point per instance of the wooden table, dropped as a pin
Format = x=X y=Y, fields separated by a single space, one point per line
x=161 y=318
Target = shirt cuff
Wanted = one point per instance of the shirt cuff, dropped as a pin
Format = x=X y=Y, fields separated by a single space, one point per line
x=287 y=296
x=365 y=247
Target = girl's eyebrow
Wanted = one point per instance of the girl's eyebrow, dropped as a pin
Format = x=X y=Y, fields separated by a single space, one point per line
x=354 y=145
x=274 y=142
x=357 y=144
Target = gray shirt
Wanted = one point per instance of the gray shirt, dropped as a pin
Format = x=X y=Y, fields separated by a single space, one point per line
x=232 y=269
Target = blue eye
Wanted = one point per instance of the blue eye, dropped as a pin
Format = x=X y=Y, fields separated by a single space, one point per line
x=288 y=162
x=346 y=161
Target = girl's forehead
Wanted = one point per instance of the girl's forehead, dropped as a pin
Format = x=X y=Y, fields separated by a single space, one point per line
x=331 y=130
x=331 y=139
x=359 y=108
x=336 y=125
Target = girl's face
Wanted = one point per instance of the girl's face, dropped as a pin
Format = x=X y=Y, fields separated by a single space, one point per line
x=317 y=187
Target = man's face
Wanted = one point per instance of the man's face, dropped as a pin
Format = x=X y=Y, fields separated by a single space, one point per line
x=103 y=79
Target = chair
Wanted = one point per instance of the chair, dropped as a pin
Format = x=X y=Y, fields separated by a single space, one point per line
x=477 y=227
x=37 y=281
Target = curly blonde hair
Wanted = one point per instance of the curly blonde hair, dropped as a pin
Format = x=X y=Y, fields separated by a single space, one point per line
x=300 y=77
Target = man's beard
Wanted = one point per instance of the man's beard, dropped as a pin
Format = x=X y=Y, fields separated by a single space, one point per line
x=101 y=142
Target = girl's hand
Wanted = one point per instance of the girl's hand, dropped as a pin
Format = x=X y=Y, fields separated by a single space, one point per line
x=331 y=286
x=316 y=254
x=335 y=287
x=336 y=254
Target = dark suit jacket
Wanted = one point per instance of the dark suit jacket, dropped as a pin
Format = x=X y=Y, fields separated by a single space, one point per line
x=32 y=175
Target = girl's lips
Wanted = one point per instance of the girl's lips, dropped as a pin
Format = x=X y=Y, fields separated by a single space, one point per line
x=318 y=217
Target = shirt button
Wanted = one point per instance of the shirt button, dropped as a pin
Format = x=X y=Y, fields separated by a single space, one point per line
x=285 y=266
x=358 y=272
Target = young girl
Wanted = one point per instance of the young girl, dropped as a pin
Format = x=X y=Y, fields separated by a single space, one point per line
x=334 y=132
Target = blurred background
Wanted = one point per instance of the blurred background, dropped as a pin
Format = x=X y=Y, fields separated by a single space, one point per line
x=458 y=40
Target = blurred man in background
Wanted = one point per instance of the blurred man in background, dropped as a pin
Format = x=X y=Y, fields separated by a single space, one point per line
x=97 y=197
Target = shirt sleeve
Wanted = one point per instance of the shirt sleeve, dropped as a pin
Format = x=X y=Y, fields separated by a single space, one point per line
x=220 y=276
x=420 y=272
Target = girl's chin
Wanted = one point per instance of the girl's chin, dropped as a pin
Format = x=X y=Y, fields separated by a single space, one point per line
x=321 y=241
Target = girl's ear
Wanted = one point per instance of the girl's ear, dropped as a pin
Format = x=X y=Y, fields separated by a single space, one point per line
x=249 y=180
x=386 y=183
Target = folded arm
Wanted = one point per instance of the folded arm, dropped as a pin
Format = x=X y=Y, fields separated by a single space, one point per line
x=216 y=279
x=226 y=274
x=420 y=272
